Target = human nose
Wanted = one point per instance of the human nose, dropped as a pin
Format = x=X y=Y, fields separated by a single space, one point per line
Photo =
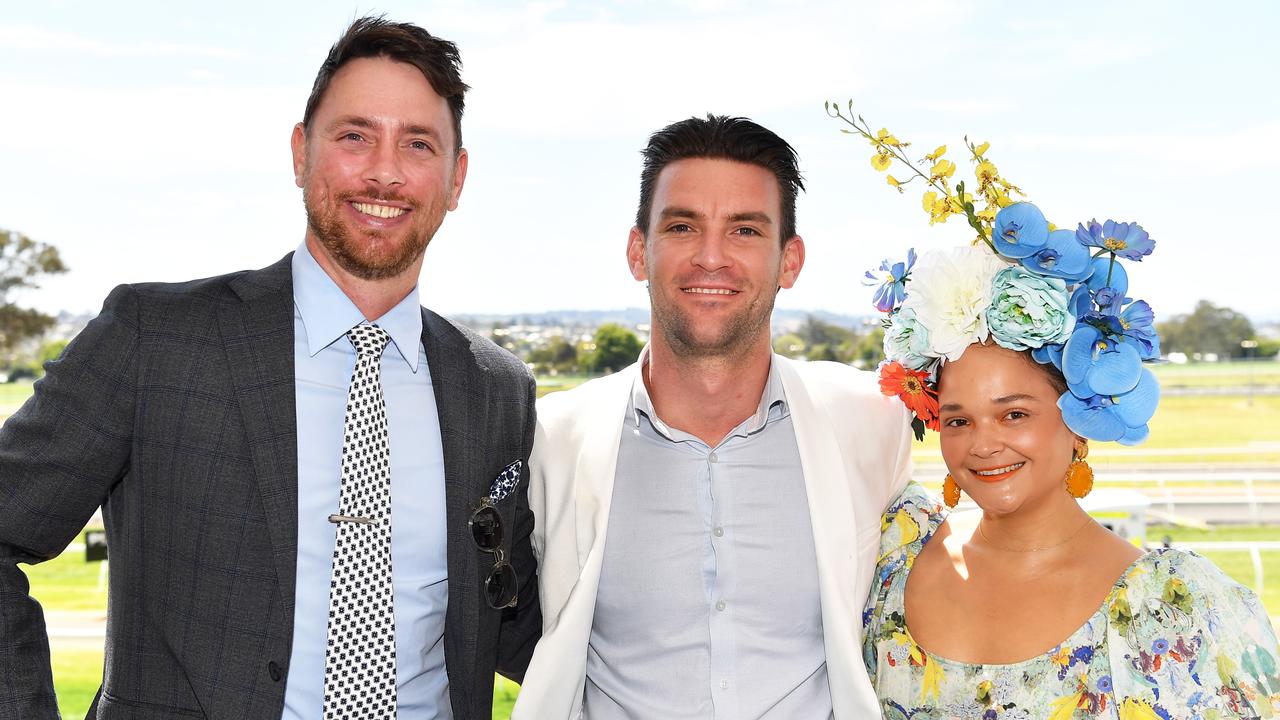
x=384 y=166
x=986 y=441
x=711 y=253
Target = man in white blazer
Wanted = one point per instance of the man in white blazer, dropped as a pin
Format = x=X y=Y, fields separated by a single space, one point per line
x=708 y=519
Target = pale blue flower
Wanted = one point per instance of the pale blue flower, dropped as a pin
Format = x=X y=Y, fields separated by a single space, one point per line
x=907 y=341
x=1028 y=310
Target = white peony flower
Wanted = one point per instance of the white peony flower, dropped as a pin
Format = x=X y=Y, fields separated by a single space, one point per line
x=950 y=292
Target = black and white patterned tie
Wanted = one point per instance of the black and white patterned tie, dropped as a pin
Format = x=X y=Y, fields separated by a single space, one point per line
x=360 y=660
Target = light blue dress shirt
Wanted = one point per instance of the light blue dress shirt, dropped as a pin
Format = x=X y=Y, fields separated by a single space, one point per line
x=708 y=602
x=323 y=363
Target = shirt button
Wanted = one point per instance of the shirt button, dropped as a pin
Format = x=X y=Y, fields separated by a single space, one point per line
x=724 y=684
x=719 y=532
x=713 y=458
x=720 y=605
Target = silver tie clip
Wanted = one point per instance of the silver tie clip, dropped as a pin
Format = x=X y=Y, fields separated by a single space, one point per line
x=348 y=518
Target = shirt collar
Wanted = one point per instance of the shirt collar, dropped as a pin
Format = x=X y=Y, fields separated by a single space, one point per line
x=327 y=313
x=772 y=397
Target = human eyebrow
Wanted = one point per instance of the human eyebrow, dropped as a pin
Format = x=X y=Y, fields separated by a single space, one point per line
x=679 y=212
x=755 y=217
x=422 y=130
x=951 y=407
x=1016 y=397
x=353 y=121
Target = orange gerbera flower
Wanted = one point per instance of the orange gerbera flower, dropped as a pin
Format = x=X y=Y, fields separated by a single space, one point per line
x=912 y=387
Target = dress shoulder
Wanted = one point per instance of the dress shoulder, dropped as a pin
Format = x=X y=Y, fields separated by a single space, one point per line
x=1187 y=637
x=909 y=522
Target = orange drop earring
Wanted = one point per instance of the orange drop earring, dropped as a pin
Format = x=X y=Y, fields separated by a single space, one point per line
x=1079 y=478
x=950 y=491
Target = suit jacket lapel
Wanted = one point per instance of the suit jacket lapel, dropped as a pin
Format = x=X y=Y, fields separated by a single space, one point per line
x=835 y=533
x=257 y=334
x=462 y=410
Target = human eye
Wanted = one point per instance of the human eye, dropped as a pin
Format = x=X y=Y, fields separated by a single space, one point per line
x=956 y=422
x=1016 y=415
x=680 y=228
x=747 y=232
x=420 y=145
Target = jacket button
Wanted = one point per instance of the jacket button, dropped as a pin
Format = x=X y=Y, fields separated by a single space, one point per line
x=274 y=671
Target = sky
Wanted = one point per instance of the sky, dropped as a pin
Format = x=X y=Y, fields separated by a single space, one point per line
x=149 y=141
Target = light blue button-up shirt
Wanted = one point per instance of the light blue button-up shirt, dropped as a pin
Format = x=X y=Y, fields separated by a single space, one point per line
x=708 y=601
x=323 y=363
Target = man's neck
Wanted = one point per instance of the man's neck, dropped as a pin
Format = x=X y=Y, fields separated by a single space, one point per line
x=706 y=396
x=373 y=298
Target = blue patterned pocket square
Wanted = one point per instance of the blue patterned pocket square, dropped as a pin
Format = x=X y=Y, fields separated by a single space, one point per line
x=505 y=482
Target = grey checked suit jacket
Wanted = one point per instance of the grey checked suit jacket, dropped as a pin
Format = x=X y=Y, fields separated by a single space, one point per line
x=174 y=410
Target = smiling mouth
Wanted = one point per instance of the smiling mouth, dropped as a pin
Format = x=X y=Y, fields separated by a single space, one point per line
x=385 y=212
x=709 y=291
x=999 y=473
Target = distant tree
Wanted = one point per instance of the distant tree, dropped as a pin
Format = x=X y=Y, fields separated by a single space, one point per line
x=789 y=345
x=558 y=355
x=615 y=348
x=869 y=350
x=819 y=332
x=22 y=262
x=1207 y=329
x=50 y=351
x=822 y=351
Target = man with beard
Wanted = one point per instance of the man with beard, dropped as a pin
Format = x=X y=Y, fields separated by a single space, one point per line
x=313 y=487
x=708 y=518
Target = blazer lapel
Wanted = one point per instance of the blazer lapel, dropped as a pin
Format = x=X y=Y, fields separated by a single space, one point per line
x=835 y=532
x=462 y=410
x=597 y=463
x=257 y=334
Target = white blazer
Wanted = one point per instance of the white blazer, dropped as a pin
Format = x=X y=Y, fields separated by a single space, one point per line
x=855 y=451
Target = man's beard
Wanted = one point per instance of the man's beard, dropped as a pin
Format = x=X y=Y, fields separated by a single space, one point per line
x=737 y=333
x=368 y=255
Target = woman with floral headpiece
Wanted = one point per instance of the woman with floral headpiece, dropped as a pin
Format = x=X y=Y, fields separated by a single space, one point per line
x=1018 y=352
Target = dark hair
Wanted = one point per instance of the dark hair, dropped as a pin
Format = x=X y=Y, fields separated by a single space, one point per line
x=1056 y=379
x=371 y=37
x=728 y=138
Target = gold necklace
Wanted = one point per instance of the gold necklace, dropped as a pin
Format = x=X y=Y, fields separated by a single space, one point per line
x=1087 y=522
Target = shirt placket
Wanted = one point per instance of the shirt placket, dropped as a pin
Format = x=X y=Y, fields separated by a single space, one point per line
x=718 y=527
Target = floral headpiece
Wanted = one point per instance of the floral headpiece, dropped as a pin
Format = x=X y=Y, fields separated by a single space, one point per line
x=1023 y=284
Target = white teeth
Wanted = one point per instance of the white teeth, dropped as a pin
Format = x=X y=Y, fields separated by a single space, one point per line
x=1000 y=471
x=711 y=291
x=382 y=211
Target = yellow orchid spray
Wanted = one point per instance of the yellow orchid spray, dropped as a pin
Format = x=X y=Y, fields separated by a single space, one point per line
x=941 y=200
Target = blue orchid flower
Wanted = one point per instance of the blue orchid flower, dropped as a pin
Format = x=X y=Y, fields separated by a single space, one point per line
x=1061 y=257
x=1095 y=362
x=1128 y=240
x=1020 y=230
x=1049 y=354
x=1108 y=273
x=1132 y=321
x=1122 y=417
x=893 y=288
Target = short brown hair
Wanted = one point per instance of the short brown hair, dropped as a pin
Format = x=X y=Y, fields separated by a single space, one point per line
x=371 y=37
x=726 y=138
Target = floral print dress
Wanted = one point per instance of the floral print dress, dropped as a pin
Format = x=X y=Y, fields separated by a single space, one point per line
x=1175 y=638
